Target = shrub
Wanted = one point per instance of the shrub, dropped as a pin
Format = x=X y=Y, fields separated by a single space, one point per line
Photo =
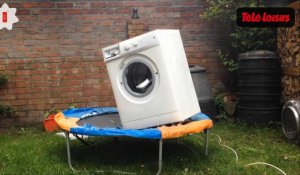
x=3 y=79
x=240 y=39
x=6 y=111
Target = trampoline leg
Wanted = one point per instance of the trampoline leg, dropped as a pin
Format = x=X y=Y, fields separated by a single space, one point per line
x=160 y=157
x=68 y=151
x=206 y=141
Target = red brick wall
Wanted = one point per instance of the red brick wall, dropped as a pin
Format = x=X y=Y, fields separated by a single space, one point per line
x=53 y=54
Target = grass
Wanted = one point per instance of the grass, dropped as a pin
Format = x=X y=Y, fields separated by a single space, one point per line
x=32 y=151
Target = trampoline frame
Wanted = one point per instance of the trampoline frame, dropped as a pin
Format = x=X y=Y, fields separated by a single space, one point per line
x=160 y=153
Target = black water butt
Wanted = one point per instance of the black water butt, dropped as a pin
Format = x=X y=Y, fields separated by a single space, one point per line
x=259 y=87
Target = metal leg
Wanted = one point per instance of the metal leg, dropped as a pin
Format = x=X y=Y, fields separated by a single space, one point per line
x=74 y=170
x=160 y=157
x=68 y=152
x=206 y=142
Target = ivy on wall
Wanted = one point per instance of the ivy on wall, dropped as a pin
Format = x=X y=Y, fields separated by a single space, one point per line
x=3 y=79
x=5 y=110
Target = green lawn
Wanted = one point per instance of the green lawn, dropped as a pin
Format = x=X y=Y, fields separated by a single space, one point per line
x=32 y=151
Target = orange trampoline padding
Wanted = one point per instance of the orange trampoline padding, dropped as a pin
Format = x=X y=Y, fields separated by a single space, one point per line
x=180 y=130
x=65 y=123
x=198 y=123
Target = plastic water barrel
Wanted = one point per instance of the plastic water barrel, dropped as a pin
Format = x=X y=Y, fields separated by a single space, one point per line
x=259 y=87
x=203 y=90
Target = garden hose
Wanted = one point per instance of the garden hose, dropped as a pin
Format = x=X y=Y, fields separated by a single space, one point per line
x=250 y=164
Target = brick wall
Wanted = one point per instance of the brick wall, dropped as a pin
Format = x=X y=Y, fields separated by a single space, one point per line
x=53 y=54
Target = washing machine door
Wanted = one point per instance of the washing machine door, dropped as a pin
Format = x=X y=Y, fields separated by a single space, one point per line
x=139 y=76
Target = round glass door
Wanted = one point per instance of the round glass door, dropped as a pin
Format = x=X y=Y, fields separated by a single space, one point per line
x=138 y=78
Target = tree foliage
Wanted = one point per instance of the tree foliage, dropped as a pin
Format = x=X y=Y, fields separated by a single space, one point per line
x=240 y=39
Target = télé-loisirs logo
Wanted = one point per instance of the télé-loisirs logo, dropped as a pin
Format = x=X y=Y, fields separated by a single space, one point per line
x=265 y=17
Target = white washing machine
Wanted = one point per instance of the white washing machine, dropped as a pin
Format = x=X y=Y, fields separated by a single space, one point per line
x=151 y=80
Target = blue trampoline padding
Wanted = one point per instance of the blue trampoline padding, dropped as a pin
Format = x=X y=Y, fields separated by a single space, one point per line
x=68 y=118
x=199 y=116
x=88 y=112
x=95 y=131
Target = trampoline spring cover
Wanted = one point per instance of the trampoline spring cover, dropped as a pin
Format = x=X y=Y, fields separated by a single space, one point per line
x=104 y=121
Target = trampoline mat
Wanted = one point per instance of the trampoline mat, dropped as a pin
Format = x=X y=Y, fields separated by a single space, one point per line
x=102 y=121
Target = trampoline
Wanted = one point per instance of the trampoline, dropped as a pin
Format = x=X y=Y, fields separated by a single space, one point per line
x=105 y=121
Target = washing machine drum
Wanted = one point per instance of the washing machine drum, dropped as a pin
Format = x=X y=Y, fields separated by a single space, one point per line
x=290 y=119
x=138 y=79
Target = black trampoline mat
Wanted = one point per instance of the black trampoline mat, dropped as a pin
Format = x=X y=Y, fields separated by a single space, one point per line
x=102 y=121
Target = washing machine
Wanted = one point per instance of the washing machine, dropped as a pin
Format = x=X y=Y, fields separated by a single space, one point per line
x=151 y=80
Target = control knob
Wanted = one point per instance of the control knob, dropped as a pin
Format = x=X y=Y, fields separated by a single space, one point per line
x=127 y=47
x=134 y=44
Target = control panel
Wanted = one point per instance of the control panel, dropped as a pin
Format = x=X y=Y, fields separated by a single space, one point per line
x=111 y=51
x=138 y=43
x=129 y=46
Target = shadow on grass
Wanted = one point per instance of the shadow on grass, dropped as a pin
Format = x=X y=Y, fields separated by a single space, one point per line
x=132 y=155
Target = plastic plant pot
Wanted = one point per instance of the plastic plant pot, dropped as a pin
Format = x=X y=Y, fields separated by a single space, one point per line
x=50 y=124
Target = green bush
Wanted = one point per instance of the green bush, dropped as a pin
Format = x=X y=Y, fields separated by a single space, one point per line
x=6 y=111
x=240 y=39
x=3 y=79
x=219 y=103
